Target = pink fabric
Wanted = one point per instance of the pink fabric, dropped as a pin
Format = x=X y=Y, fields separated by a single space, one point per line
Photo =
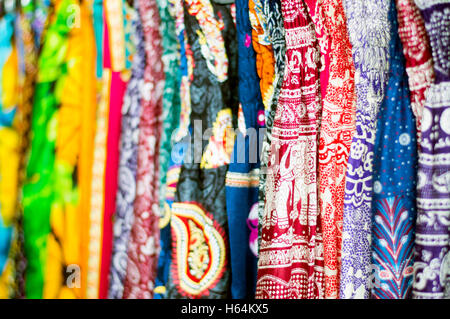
x=112 y=162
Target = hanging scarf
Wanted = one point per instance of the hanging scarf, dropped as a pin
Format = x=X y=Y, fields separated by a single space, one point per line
x=432 y=256
x=265 y=62
x=143 y=248
x=177 y=151
x=368 y=27
x=38 y=191
x=242 y=176
x=276 y=33
x=9 y=150
x=199 y=222
x=129 y=139
x=290 y=261
x=336 y=131
x=28 y=70
x=394 y=175
x=116 y=35
x=171 y=95
x=416 y=48
x=74 y=130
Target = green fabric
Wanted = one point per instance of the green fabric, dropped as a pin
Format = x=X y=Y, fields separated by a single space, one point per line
x=38 y=191
x=171 y=94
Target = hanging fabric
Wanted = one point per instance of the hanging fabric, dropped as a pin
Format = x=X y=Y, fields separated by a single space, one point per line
x=290 y=261
x=432 y=245
x=394 y=175
x=368 y=26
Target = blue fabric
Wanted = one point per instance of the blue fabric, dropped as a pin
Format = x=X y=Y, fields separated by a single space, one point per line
x=6 y=119
x=245 y=162
x=6 y=31
x=395 y=170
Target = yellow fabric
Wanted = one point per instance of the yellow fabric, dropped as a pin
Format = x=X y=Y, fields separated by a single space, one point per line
x=10 y=82
x=67 y=242
x=9 y=161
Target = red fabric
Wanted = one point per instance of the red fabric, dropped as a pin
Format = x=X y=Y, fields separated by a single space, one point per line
x=291 y=253
x=336 y=133
x=417 y=51
x=144 y=247
x=315 y=9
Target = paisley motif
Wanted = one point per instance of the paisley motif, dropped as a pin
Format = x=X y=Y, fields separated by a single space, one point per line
x=200 y=256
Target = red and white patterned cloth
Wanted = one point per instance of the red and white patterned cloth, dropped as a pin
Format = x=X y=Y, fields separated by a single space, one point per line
x=291 y=253
x=336 y=131
x=417 y=51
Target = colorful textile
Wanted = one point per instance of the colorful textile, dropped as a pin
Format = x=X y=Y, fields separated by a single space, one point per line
x=9 y=151
x=369 y=31
x=416 y=48
x=143 y=248
x=290 y=261
x=171 y=94
x=265 y=63
x=115 y=59
x=73 y=136
x=275 y=30
x=336 y=132
x=180 y=144
x=199 y=221
x=27 y=72
x=241 y=192
x=394 y=186
x=129 y=139
x=432 y=256
x=38 y=189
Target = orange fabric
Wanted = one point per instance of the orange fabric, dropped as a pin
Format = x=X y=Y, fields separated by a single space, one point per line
x=265 y=62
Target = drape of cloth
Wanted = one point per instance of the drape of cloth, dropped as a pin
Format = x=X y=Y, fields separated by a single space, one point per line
x=73 y=132
x=27 y=69
x=179 y=145
x=9 y=152
x=262 y=19
x=241 y=184
x=276 y=34
x=93 y=224
x=432 y=256
x=129 y=140
x=171 y=94
x=290 y=261
x=143 y=248
x=115 y=21
x=106 y=146
x=261 y=40
x=369 y=31
x=200 y=255
x=171 y=121
x=417 y=51
x=336 y=131
x=316 y=12
x=394 y=186
x=38 y=191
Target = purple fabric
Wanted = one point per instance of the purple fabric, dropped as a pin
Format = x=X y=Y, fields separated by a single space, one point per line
x=126 y=192
x=369 y=32
x=432 y=257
